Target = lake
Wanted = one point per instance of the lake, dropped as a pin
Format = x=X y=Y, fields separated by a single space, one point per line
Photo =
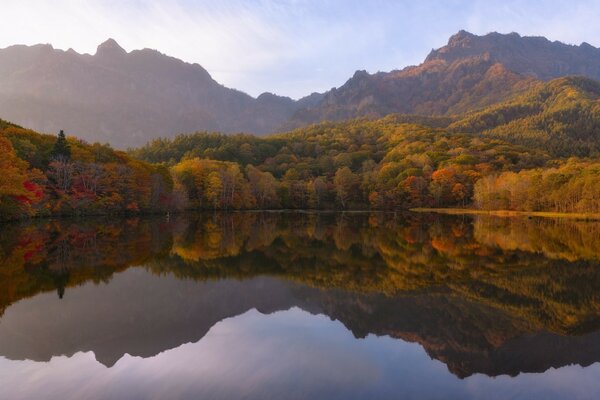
x=300 y=305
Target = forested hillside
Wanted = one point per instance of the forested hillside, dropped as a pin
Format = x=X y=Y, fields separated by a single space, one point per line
x=537 y=152
x=44 y=175
x=562 y=117
x=515 y=155
x=381 y=164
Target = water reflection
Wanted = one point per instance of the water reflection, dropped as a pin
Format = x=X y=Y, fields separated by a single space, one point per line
x=284 y=355
x=490 y=296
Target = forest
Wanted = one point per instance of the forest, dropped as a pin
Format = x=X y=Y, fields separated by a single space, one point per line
x=359 y=164
x=536 y=152
x=46 y=175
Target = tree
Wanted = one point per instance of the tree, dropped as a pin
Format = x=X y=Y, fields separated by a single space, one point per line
x=346 y=183
x=263 y=187
x=62 y=149
x=442 y=182
x=459 y=193
x=214 y=189
x=415 y=188
x=295 y=190
x=320 y=191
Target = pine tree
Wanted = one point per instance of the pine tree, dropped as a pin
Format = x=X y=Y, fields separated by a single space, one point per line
x=62 y=149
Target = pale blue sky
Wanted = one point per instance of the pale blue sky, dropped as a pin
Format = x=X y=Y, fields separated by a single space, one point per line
x=290 y=47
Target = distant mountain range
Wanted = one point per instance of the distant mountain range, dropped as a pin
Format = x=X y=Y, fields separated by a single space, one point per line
x=127 y=99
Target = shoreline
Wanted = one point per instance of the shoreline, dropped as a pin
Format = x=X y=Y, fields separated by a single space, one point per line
x=59 y=217
x=422 y=210
x=508 y=213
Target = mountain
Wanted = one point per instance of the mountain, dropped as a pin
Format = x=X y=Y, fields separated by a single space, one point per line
x=433 y=88
x=469 y=73
x=125 y=98
x=532 y=56
x=128 y=99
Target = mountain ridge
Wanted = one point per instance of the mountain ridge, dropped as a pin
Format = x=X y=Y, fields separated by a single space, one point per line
x=125 y=98
x=516 y=52
x=129 y=98
x=470 y=72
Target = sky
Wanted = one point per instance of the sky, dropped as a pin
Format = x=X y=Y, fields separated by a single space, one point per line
x=289 y=47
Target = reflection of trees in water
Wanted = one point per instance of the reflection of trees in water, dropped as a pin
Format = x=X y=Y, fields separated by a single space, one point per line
x=556 y=238
x=52 y=255
x=543 y=272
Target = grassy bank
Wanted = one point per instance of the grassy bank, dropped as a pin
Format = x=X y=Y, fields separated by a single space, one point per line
x=507 y=213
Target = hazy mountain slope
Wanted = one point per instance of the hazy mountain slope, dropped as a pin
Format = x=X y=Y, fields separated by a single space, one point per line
x=125 y=98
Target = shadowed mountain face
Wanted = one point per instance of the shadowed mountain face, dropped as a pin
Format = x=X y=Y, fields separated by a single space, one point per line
x=127 y=99
x=493 y=296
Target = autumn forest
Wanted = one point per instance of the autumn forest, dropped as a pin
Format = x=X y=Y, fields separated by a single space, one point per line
x=537 y=152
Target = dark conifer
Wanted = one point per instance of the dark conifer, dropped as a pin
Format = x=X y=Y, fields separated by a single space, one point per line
x=62 y=149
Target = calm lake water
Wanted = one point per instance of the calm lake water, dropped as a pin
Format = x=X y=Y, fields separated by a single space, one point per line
x=300 y=305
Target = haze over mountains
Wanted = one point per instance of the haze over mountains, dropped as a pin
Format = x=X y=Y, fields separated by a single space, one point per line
x=127 y=99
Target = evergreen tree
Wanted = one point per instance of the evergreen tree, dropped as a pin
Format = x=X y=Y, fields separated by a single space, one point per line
x=62 y=149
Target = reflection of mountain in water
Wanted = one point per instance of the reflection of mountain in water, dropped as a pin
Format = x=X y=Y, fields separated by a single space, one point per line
x=137 y=313
x=470 y=302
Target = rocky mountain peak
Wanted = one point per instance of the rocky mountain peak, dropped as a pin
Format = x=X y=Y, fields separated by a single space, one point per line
x=110 y=47
x=460 y=37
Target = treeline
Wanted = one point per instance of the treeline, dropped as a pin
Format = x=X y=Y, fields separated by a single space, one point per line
x=573 y=187
x=358 y=164
x=44 y=175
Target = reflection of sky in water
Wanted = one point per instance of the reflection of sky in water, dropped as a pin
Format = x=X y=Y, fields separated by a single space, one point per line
x=290 y=354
